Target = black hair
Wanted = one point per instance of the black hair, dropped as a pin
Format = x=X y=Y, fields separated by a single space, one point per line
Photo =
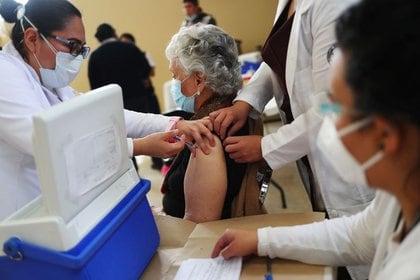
x=381 y=43
x=194 y=2
x=104 y=31
x=129 y=36
x=47 y=15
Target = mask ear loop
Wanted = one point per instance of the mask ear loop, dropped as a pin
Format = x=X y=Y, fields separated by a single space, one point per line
x=37 y=61
x=373 y=160
x=354 y=126
x=20 y=14
x=376 y=157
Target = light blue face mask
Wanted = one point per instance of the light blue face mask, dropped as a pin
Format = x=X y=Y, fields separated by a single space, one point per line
x=193 y=17
x=186 y=103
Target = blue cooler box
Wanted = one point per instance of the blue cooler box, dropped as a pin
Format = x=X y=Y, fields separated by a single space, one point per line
x=119 y=247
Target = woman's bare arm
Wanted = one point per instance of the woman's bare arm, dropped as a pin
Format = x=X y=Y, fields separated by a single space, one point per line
x=205 y=185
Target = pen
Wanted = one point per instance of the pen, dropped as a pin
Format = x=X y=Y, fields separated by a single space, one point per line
x=188 y=143
x=268 y=275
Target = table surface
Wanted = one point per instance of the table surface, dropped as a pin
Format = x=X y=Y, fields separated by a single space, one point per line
x=181 y=240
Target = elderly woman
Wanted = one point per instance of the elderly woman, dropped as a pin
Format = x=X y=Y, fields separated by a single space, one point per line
x=206 y=77
x=376 y=135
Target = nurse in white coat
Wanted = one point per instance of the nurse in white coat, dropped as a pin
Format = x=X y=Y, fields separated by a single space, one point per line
x=377 y=135
x=36 y=69
x=294 y=71
x=305 y=74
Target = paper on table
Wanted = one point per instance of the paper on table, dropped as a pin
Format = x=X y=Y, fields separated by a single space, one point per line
x=92 y=159
x=209 y=269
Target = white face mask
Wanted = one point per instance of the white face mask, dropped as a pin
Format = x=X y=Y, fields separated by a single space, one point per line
x=329 y=142
x=66 y=69
x=67 y=66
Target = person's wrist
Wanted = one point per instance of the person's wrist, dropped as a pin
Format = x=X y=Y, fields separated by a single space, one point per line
x=173 y=121
x=242 y=107
x=138 y=146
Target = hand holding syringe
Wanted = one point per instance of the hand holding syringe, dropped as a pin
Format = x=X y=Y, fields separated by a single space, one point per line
x=190 y=145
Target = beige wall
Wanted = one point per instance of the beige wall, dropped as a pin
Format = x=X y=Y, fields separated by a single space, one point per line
x=153 y=22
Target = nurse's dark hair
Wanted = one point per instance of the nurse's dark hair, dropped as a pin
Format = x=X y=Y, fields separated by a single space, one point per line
x=381 y=43
x=47 y=15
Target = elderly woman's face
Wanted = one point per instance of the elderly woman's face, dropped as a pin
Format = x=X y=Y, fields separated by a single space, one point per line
x=188 y=82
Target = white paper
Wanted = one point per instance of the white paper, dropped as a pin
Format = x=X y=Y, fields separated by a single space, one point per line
x=92 y=159
x=210 y=269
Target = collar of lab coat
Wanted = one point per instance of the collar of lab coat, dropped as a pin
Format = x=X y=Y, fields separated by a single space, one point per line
x=10 y=49
x=63 y=94
x=301 y=7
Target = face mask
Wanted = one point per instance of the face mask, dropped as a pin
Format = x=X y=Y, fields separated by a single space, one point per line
x=193 y=17
x=329 y=142
x=186 y=103
x=66 y=69
x=67 y=66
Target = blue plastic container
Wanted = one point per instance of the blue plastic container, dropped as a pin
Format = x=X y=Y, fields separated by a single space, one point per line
x=249 y=66
x=119 y=247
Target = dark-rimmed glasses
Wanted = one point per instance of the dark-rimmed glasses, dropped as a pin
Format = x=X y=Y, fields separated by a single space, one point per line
x=75 y=46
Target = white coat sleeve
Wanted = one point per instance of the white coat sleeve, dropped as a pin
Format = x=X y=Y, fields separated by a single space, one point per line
x=291 y=141
x=340 y=241
x=18 y=103
x=142 y=124
x=258 y=91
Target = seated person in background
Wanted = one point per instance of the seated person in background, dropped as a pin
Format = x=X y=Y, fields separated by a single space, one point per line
x=206 y=77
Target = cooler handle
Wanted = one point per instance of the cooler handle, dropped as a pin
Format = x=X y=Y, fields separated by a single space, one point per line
x=12 y=249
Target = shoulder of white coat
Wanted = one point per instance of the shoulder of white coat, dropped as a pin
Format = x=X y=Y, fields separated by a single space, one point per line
x=331 y=8
x=9 y=64
x=12 y=69
x=321 y=15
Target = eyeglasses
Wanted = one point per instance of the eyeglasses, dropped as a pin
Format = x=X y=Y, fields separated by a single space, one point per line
x=76 y=47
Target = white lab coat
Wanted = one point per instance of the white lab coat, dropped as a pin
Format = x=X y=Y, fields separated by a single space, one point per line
x=22 y=96
x=365 y=238
x=307 y=73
